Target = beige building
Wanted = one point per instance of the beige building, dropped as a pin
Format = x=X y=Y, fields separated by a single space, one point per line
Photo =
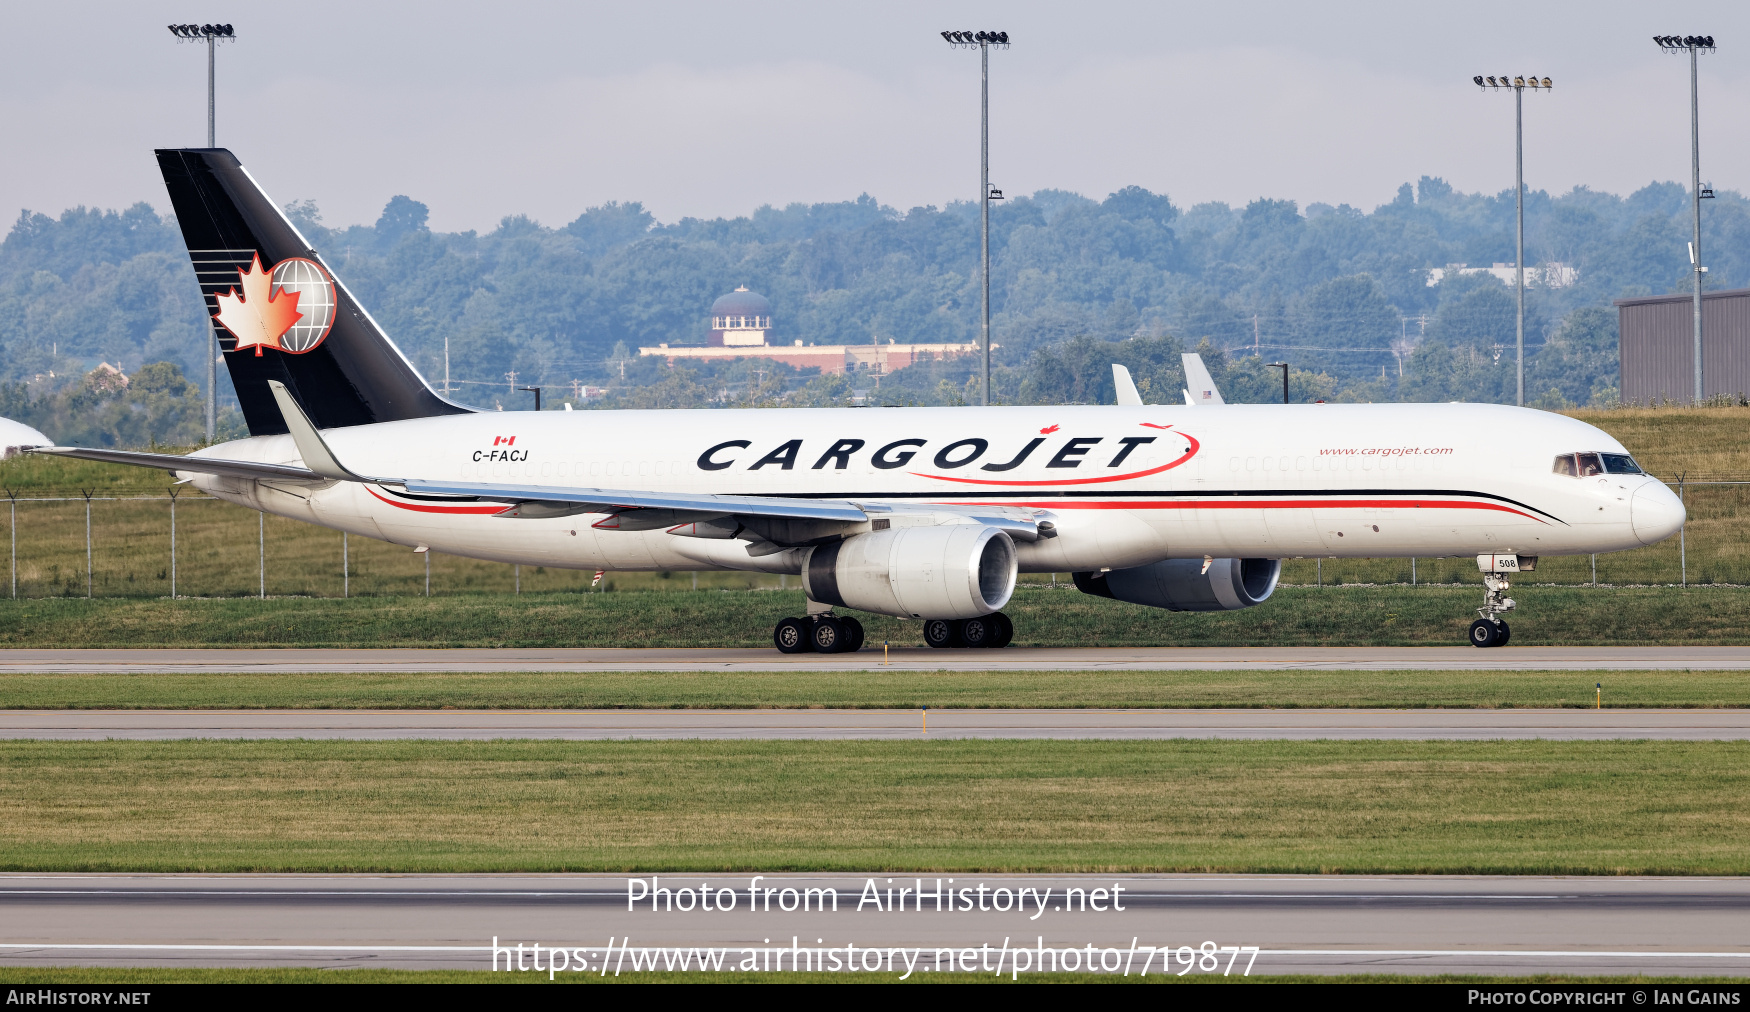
x=741 y=327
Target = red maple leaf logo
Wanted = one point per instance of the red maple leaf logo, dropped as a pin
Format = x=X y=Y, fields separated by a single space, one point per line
x=260 y=316
x=1048 y=430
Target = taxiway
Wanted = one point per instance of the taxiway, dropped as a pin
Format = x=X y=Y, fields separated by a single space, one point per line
x=821 y=724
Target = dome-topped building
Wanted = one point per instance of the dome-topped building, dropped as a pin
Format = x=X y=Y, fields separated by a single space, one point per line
x=741 y=328
x=740 y=319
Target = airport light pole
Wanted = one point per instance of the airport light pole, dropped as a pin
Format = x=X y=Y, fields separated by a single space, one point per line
x=1284 y=367
x=1694 y=45
x=982 y=41
x=212 y=35
x=1518 y=85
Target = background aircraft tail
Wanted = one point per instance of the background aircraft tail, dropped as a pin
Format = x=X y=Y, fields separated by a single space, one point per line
x=1199 y=388
x=280 y=313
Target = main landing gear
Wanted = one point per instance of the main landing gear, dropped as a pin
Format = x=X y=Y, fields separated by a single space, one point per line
x=826 y=634
x=1490 y=630
x=993 y=630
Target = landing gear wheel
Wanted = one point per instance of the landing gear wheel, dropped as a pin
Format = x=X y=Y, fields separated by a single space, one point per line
x=1484 y=633
x=977 y=632
x=940 y=632
x=1506 y=634
x=791 y=636
x=1004 y=630
x=828 y=635
x=853 y=634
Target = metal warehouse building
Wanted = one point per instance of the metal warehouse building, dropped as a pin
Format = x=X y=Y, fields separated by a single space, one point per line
x=1657 y=338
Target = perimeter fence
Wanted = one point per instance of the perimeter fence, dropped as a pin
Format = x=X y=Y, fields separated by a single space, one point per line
x=193 y=545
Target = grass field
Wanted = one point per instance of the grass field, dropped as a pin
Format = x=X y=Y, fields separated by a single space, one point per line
x=880 y=689
x=1348 y=807
x=1336 y=616
x=1668 y=441
x=69 y=976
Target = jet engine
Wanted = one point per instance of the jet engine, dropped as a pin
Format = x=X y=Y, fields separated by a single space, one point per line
x=949 y=571
x=1188 y=584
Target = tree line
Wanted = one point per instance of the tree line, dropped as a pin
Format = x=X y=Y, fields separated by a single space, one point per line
x=1342 y=294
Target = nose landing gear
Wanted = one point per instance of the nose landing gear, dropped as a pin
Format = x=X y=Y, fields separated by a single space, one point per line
x=826 y=634
x=1489 y=633
x=1490 y=630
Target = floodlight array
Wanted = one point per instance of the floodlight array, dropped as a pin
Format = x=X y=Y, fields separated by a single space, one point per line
x=1529 y=81
x=193 y=32
x=974 y=40
x=1682 y=43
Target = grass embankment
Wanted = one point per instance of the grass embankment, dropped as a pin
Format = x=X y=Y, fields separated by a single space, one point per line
x=1668 y=441
x=86 y=976
x=878 y=689
x=1295 y=616
x=1357 y=806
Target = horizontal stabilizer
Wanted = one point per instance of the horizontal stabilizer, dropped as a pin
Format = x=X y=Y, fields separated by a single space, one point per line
x=193 y=465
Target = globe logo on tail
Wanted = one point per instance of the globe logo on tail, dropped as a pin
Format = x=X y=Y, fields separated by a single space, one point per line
x=291 y=309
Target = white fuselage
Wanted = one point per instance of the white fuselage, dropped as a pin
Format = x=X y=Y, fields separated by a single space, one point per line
x=1124 y=486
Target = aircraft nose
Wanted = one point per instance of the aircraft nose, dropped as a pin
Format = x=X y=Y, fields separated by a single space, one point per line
x=1655 y=512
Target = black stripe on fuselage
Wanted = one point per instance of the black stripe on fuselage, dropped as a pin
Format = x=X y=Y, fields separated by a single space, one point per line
x=946 y=495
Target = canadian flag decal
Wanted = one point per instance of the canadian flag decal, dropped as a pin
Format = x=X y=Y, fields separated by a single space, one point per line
x=503 y=440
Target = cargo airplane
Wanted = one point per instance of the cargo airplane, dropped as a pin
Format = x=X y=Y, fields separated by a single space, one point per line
x=918 y=513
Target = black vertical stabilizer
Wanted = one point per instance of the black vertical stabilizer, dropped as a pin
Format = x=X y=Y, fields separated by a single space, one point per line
x=353 y=376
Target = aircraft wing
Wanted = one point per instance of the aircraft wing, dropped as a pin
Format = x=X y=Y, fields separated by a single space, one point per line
x=198 y=465
x=561 y=500
x=536 y=501
x=779 y=520
x=776 y=519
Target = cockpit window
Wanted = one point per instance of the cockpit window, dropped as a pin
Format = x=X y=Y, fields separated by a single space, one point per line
x=1585 y=465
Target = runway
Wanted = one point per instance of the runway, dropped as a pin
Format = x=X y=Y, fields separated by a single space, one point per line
x=841 y=725
x=368 y=661
x=1300 y=924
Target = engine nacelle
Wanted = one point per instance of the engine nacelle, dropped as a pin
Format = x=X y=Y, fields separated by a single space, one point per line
x=1183 y=585
x=950 y=571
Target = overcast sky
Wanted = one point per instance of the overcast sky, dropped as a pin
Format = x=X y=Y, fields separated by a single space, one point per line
x=706 y=109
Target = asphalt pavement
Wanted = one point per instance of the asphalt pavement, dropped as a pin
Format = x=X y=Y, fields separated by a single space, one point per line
x=1299 y=924
x=821 y=724
x=873 y=657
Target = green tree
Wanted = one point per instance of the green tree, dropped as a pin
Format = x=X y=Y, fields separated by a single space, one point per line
x=1351 y=324
x=1578 y=364
x=154 y=406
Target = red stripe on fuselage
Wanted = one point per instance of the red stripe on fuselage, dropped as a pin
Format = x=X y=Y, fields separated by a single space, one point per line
x=457 y=510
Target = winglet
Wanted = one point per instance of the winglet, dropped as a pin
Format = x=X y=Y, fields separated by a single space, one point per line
x=317 y=456
x=1127 y=395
